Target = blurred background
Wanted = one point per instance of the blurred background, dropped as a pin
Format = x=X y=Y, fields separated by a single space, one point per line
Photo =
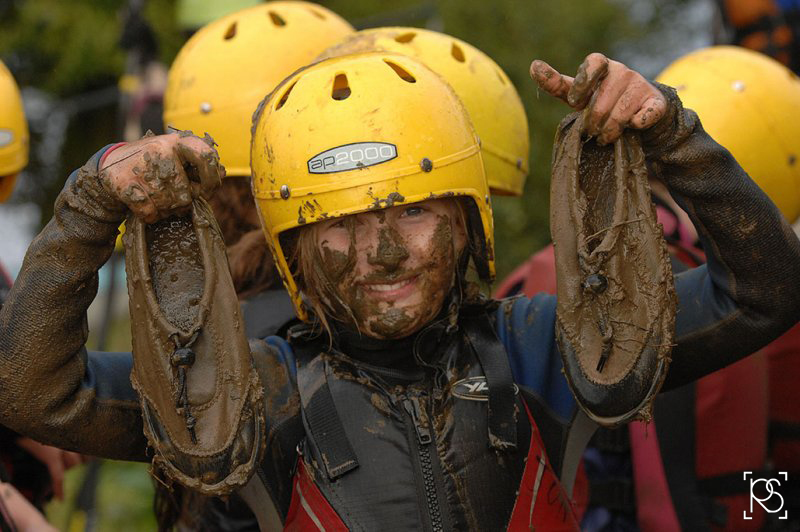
x=90 y=69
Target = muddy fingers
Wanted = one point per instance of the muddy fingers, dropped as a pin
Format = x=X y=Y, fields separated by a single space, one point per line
x=550 y=80
x=614 y=96
x=591 y=74
x=158 y=176
x=650 y=112
x=201 y=163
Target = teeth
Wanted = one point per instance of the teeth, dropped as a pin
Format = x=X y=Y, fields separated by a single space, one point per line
x=388 y=287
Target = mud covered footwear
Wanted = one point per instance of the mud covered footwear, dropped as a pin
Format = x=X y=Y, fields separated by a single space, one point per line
x=200 y=397
x=616 y=296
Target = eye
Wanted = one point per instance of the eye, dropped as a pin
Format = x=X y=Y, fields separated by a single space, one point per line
x=413 y=210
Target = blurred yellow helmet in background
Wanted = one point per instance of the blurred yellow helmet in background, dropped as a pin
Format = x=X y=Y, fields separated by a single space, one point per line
x=750 y=104
x=361 y=132
x=228 y=66
x=13 y=133
x=489 y=96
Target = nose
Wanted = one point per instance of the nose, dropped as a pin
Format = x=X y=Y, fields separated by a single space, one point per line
x=391 y=251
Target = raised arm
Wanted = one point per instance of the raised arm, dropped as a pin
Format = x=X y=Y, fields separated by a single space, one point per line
x=50 y=388
x=749 y=292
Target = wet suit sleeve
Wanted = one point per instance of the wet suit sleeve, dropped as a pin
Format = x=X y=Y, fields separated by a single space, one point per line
x=51 y=388
x=526 y=327
x=748 y=292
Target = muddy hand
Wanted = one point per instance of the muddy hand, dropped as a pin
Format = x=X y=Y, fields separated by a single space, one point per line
x=614 y=96
x=158 y=176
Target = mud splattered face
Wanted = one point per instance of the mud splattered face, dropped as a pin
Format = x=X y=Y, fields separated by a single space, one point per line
x=392 y=269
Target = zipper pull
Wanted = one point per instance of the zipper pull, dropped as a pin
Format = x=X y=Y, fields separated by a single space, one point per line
x=414 y=410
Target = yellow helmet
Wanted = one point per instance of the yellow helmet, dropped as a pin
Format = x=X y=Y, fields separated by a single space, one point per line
x=13 y=133
x=749 y=103
x=489 y=96
x=363 y=132
x=227 y=67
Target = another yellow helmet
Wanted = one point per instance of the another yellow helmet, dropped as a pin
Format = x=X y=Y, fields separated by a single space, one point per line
x=13 y=133
x=363 y=132
x=750 y=104
x=489 y=96
x=227 y=67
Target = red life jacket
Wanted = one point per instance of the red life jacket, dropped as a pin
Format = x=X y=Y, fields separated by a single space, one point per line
x=783 y=356
x=540 y=505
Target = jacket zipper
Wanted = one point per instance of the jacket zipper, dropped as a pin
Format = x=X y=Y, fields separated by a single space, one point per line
x=423 y=445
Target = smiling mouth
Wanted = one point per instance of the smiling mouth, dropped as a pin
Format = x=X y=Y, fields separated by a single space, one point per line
x=389 y=287
x=395 y=288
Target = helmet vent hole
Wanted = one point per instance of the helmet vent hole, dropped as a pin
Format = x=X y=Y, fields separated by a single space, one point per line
x=341 y=88
x=285 y=96
x=405 y=37
x=317 y=14
x=277 y=19
x=400 y=71
x=500 y=76
x=231 y=32
x=457 y=53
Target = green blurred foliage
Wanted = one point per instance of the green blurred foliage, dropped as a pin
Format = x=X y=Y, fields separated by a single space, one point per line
x=71 y=51
x=61 y=47
x=124 y=499
x=66 y=48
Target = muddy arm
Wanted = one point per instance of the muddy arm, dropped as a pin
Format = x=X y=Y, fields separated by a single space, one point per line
x=51 y=389
x=749 y=291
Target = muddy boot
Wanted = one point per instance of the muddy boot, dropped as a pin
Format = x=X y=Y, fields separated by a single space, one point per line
x=616 y=295
x=200 y=397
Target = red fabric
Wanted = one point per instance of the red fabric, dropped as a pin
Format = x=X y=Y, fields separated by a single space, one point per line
x=542 y=503
x=5 y=277
x=108 y=151
x=654 y=508
x=537 y=274
x=783 y=359
x=731 y=408
x=309 y=509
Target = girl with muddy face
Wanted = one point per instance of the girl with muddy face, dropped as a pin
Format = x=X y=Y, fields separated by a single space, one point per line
x=384 y=273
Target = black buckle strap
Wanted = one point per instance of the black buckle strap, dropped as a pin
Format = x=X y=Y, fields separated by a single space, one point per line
x=323 y=419
x=728 y=484
x=494 y=361
x=783 y=430
x=616 y=440
x=615 y=494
